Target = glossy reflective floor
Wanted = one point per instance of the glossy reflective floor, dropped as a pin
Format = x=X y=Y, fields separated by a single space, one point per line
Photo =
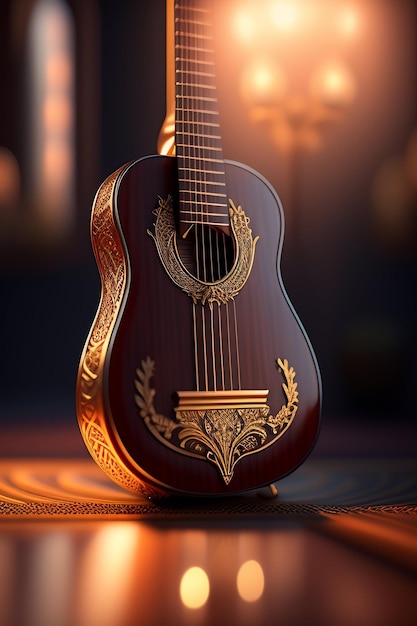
x=338 y=547
x=134 y=573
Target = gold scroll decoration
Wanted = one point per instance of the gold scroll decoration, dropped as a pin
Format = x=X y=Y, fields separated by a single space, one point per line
x=223 y=428
x=93 y=418
x=228 y=286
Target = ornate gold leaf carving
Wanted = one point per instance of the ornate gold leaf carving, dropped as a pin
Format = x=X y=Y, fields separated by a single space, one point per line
x=223 y=436
x=222 y=290
x=92 y=417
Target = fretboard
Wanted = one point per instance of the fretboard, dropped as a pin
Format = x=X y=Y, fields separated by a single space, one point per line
x=201 y=175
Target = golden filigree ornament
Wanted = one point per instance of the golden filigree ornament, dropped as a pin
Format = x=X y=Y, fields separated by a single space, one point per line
x=91 y=413
x=228 y=286
x=220 y=427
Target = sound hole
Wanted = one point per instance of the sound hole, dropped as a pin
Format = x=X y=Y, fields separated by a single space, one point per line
x=207 y=253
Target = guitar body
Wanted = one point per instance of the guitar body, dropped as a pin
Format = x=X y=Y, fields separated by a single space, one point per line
x=152 y=341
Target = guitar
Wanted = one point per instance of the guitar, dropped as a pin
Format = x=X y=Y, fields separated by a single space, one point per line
x=197 y=377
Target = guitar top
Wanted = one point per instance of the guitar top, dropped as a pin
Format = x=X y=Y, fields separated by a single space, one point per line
x=197 y=377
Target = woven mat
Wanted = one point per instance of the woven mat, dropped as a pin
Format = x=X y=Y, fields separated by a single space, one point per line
x=45 y=489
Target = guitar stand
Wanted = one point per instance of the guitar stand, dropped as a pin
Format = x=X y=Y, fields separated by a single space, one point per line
x=268 y=493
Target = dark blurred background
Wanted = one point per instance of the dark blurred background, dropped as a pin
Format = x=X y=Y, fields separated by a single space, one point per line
x=319 y=96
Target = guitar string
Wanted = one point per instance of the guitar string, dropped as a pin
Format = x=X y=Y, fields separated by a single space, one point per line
x=200 y=198
x=220 y=270
x=197 y=373
x=193 y=153
x=190 y=152
x=204 y=196
x=228 y=327
x=197 y=186
x=219 y=311
x=239 y=382
x=211 y=144
x=183 y=112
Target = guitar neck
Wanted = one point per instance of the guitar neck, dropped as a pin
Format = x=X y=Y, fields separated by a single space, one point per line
x=201 y=173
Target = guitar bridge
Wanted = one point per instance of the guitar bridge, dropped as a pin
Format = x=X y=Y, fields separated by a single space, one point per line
x=221 y=427
x=217 y=400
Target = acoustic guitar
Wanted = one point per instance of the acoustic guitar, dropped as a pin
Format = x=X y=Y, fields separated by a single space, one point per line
x=197 y=377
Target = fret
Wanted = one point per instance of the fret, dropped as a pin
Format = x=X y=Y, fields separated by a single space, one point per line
x=204 y=192
x=199 y=204
x=194 y=73
x=196 y=85
x=189 y=142
x=205 y=204
x=211 y=223
x=200 y=157
x=186 y=137
x=192 y=22
x=201 y=175
x=193 y=146
x=193 y=61
x=202 y=186
x=186 y=110
x=220 y=213
x=202 y=182
x=202 y=98
x=196 y=123
x=200 y=212
x=194 y=9
x=194 y=49
x=202 y=171
x=196 y=158
x=200 y=192
x=180 y=33
x=199 y=135
x=209 y=218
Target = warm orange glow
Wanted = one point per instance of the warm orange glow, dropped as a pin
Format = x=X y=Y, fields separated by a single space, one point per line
x=261 y=22
x=263 y=83
x=250 y=581
x=244 y=25
x=106 y=573
x=194 y=588
x=52 y=116
x=302 y=81
x=349 y=21
x=284 y=15
x=57 y=114
x=333 y=84
x=56 y=164
x=9 y=179
x=49 y=594
x=58 y=71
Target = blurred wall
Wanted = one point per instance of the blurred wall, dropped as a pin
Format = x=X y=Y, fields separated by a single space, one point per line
x=349 y=262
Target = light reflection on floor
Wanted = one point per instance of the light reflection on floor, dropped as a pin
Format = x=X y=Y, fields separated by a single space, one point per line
x=133 y=573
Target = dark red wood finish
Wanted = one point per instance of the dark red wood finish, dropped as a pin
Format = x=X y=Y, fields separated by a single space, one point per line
x=156 y=321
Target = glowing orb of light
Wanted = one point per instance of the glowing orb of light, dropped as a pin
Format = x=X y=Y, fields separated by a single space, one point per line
x=194 y=588
x=250 y=581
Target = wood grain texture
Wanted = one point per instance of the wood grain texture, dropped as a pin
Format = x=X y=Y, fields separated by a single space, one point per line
x=156 y=321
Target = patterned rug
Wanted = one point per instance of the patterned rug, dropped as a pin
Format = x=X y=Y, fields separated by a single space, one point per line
x=78 y=488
